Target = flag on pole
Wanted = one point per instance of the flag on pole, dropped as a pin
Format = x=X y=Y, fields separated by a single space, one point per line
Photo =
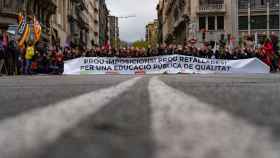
x=37 y=29
x=20 y=18
x=23 y=32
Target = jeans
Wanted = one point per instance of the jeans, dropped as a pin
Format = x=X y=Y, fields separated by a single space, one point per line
x=27 y=67
x=2 y=61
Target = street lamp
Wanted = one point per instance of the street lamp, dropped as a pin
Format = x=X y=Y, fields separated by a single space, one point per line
x=278 y=5
x=279 y=21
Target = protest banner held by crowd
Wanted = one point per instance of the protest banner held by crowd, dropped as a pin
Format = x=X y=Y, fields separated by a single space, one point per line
x=32 y=59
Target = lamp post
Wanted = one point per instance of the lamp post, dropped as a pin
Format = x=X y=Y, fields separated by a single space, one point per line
x=268 y=19
x=278 y=5
x=249 y=18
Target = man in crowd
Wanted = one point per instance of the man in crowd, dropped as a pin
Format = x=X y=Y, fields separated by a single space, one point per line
x=2 y=54
x=28 y=58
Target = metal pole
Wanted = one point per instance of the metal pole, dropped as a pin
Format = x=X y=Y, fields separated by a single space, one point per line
x=279 y=22
x=249 y=18
x=237 y=21
x=267 y=19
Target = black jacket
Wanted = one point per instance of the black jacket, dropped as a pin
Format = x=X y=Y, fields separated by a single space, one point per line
x=2 y=52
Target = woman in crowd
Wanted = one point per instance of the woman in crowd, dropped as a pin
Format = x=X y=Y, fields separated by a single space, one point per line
x=34 y=60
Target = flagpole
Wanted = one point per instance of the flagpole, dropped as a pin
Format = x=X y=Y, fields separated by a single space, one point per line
x=268 y=19
x=249 y=18
x=279 y=21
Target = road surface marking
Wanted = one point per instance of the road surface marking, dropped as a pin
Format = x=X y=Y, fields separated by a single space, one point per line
x=23 y=134
x=183 y=126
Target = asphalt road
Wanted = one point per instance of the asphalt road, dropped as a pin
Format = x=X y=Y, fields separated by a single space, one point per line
x=180 y=116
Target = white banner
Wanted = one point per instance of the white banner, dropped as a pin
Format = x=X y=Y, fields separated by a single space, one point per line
x=170 y=64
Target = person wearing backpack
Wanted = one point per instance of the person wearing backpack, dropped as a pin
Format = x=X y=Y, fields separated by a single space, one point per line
x=28 y=58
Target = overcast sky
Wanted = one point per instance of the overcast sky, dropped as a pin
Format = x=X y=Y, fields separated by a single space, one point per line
x=134 y=28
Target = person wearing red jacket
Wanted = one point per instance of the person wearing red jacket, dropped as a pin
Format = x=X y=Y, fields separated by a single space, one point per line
x=59 y=57
x=269 y=53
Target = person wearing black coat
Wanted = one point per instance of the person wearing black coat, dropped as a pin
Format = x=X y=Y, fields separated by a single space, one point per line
x=2 y=55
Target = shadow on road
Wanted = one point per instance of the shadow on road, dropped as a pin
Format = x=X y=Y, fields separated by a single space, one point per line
x=122 y=129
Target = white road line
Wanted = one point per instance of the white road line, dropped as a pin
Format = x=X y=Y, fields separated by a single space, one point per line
x=33 y=130
x=185 y=127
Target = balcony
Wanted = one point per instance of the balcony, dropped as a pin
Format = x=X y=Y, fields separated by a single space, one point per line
x=82 y=17
x=212 y=8
x=258 y=7
x=8 y=10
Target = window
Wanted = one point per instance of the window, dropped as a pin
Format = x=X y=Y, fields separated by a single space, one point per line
x=274 y=22
x=220 y=22
x=258 y=22
x=211 y=23
x=243 y=23
x=202 y=23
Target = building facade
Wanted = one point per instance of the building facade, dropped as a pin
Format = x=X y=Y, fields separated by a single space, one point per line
x=8 y=12
x=152 y=33
x=262 y=14
x=43 y=10
x=93 y=8
x=78 y=23
x=103 y=23
x=173 y=19
x=60 y=26
x=113 y=25
x=203 y=20
x=65 y=23
x=212 y=20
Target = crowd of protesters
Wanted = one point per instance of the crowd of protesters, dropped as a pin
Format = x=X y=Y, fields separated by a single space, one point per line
x=30 y=60
x=33 y=60
x=268 y=52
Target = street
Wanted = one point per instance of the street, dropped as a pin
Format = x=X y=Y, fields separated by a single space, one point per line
x=118 y=116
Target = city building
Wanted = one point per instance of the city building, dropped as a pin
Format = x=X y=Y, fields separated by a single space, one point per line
x=173 y=17
x=65 y=23
x=113 y=25
x=8 y=12
x=43 y=10
x=212 y=20
x=78 y=23
x=160 y=8
x=93 y=7
x=60 y=26
x=103 y=23
x=152 y=33
x=263 y=14
x=203 y=20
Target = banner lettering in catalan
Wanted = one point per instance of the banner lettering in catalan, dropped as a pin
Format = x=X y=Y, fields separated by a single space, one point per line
x=170 y=64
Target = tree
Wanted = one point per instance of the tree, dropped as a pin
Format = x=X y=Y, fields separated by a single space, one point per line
x=140 y=44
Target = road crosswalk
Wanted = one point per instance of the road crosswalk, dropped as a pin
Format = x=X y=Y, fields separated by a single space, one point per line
x=181 y=125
